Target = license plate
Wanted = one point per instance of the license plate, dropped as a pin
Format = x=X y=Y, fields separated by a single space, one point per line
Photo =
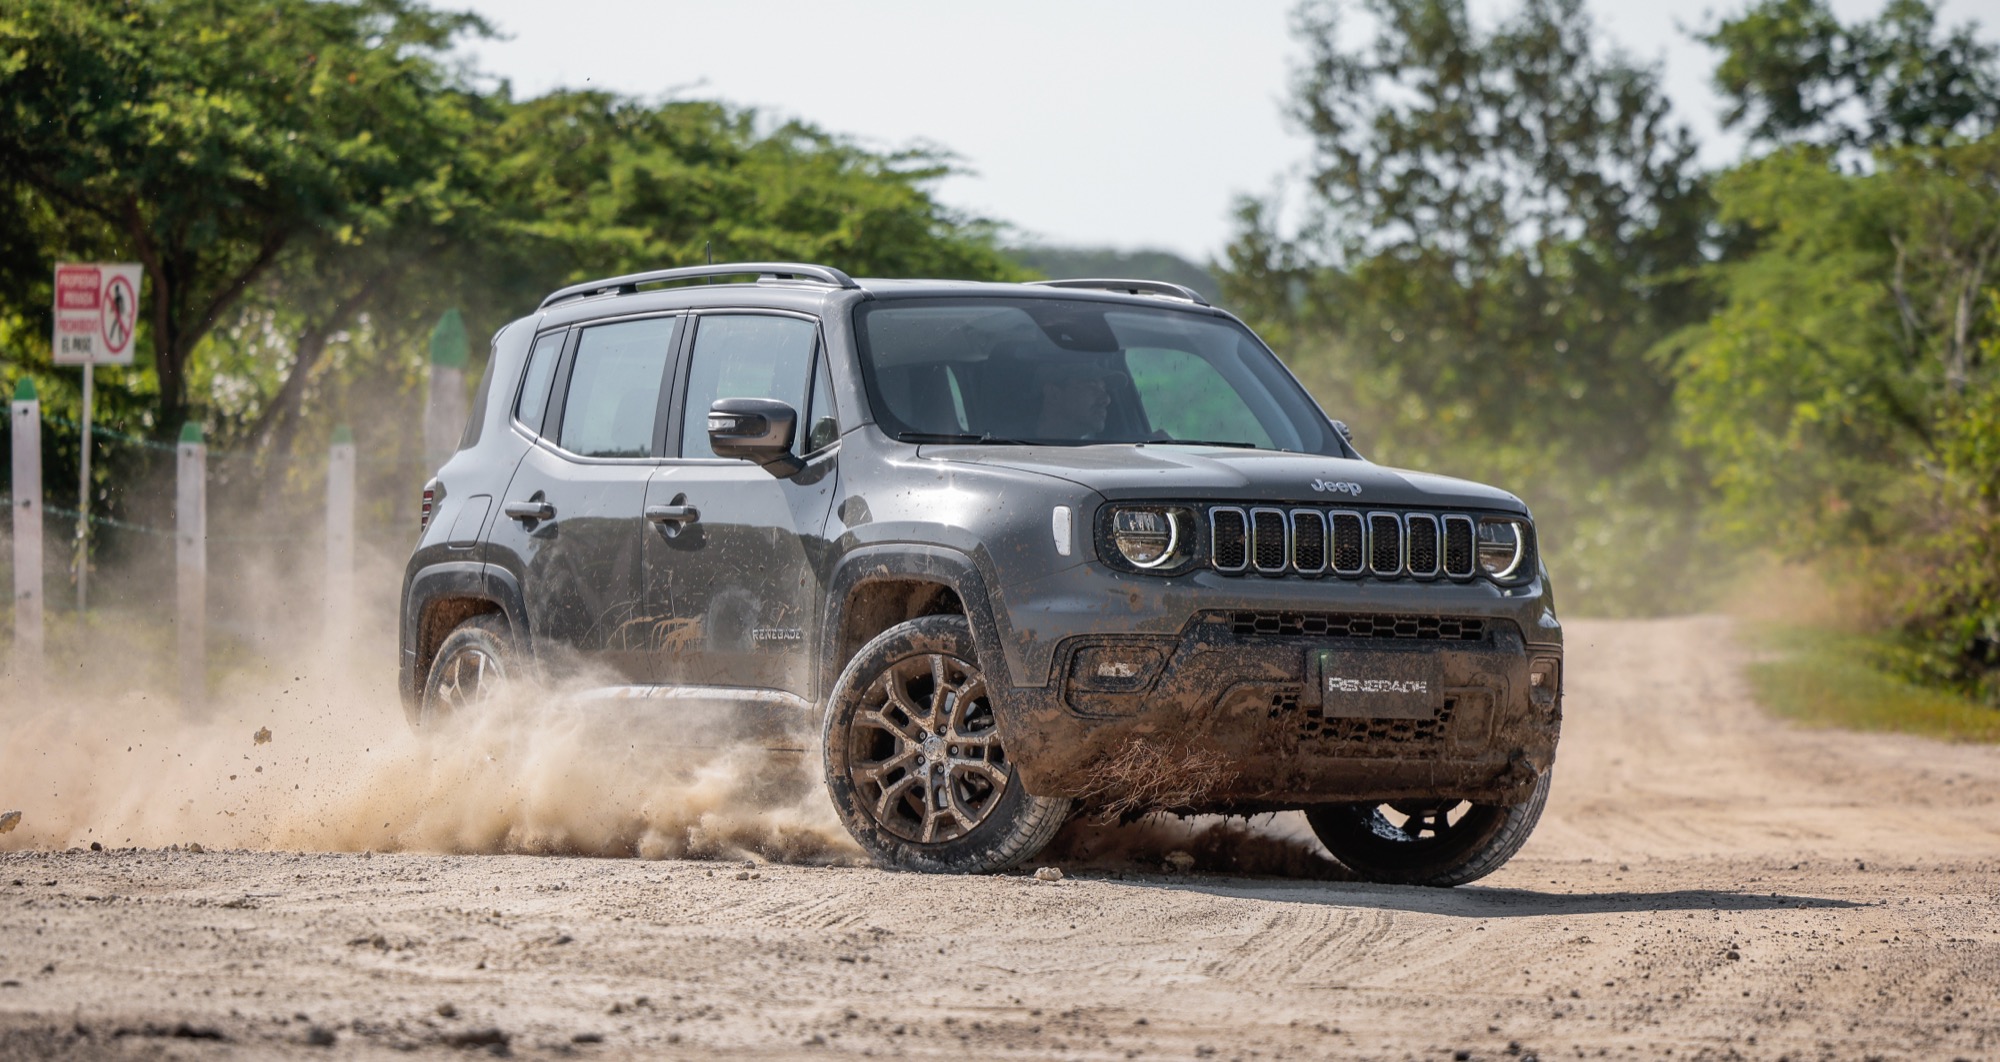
x=1375 y=685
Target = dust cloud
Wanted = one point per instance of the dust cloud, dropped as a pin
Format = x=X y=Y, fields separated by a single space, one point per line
x=317 y=755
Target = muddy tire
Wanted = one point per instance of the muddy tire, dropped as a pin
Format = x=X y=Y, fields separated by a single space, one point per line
x=914 y=762
x=1441 y=843
x=471 y=666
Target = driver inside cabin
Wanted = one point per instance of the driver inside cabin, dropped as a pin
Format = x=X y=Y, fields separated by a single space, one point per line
x=1076 y=400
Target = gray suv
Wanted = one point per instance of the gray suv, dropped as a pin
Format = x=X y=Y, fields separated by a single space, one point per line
x=999 y=552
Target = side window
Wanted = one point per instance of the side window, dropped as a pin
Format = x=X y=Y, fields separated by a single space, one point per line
x=1186 y=398
x=535 y=382
x=824 y=425
x=744 y=356
x=613 y=399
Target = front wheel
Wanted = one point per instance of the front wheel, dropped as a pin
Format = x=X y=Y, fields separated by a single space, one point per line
x=1427 y=842
x=914 y=762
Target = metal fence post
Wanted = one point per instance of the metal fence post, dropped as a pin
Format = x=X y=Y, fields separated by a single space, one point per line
x=27 y=488
x=339 y=535
x=445 y=406
x=191 y=556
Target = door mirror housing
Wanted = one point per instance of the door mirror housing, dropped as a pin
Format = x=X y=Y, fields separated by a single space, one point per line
x=756 y=429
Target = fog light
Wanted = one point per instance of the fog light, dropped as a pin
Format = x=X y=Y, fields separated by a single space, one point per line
x=1544 y=680
x=1114 y=668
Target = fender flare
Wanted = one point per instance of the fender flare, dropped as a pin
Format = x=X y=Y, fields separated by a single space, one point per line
x=453 y=579
x=947 y=567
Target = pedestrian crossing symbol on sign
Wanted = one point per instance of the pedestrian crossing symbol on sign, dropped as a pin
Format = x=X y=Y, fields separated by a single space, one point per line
x=97 y=313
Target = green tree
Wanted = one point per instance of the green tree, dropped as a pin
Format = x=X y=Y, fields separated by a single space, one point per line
x=1845 y=391
x=205 y=138
x=1792 y=72
x=1502 y=223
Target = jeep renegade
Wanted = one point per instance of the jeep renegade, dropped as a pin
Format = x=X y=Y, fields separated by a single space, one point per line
x=999 y=552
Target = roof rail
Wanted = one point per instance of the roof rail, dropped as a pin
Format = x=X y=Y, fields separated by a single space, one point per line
x=629 y=284
x=1130 y=287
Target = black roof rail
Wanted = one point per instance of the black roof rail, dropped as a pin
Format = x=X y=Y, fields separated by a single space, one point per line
x=629 y=284
x=1130 y=287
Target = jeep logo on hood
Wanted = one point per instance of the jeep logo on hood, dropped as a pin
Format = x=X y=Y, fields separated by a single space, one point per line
x=1337 y=487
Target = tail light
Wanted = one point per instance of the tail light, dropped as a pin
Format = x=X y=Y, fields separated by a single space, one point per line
x=433 y=494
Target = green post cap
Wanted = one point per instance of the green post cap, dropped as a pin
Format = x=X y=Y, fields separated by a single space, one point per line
x=24 y=389
x=449 y=346
x=191 y=432
x=343 y=435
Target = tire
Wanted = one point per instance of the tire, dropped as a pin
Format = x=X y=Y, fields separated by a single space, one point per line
x=472 y=665
x=1428 y=846
x=910 y=727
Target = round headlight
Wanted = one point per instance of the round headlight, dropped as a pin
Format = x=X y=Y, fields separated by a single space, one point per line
x=1502 y=544
x=1147 y=538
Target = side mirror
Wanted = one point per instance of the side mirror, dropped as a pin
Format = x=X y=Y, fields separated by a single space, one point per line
x=1345 y=432
x=757 y=429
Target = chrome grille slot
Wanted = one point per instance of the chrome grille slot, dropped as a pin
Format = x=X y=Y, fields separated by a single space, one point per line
x=1423 y=531
x=1267 y=540
x=1385 y=544
x=1229 y=537
x=1308 y=541
x=1458 y=557
x=1345 y=550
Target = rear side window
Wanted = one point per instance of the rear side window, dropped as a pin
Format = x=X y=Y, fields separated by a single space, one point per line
x=613 y=401
x=745 y=357
x=535 y=382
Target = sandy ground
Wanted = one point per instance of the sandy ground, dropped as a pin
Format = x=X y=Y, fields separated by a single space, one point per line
x=1708 y=883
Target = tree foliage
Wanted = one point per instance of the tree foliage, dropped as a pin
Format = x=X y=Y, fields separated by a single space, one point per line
x=1792 y=72
x=1503 y=222
x=205 y=138
x=1847 y=392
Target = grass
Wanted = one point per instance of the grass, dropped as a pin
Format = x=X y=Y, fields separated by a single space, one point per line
x=1830 y=678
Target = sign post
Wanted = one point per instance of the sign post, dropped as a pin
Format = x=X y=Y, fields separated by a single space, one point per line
x=97 y=323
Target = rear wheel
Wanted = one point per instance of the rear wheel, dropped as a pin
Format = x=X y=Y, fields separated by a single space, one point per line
x=471 y=667
x=1427 y=842
x=914 y=762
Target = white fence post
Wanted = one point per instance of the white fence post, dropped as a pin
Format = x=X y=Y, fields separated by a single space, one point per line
x=27 y=488
x=191 y=556
x=339 y=535
x=445 y=406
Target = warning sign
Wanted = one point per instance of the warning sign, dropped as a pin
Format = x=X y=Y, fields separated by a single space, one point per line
x=97 y=313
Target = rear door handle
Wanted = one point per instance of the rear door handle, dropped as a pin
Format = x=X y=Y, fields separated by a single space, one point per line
x=672 y=514
x=530 y=510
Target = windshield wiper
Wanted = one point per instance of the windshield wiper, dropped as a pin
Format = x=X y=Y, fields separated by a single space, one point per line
x=956 y=437
x=1212 y=442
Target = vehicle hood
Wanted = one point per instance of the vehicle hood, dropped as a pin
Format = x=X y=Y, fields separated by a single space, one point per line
x=1158 y=471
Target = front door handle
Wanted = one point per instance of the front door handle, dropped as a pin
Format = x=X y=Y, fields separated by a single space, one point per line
x=672 y=514
x=530 y=510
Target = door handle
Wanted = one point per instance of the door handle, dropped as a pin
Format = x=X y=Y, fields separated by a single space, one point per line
x=672 y=514
x=530 y=510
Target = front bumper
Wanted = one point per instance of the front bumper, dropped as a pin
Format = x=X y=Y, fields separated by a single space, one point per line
x=1226 y=704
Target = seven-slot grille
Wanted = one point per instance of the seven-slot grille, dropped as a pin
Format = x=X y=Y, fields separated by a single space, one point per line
x=1273 y=541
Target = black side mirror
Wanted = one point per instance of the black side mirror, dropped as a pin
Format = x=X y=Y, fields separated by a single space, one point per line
x=757 y=429
x=1345 y=432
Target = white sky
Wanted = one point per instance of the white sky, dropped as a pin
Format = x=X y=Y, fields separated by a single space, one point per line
x=1083 y=122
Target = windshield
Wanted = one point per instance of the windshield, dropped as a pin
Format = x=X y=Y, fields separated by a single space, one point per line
x=1077 y=373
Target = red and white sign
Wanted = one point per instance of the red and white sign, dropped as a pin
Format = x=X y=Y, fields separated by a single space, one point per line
x=97 y=313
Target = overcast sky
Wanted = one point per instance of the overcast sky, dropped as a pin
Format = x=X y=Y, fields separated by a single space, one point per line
x=1081 y=122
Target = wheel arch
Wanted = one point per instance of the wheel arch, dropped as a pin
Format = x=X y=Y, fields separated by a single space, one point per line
x=440 y=596
x=877 y=588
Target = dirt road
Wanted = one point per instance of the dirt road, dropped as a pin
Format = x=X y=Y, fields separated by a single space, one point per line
x=1707 y=884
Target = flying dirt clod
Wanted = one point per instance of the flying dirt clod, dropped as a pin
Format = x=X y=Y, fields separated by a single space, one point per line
x=9 y=820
